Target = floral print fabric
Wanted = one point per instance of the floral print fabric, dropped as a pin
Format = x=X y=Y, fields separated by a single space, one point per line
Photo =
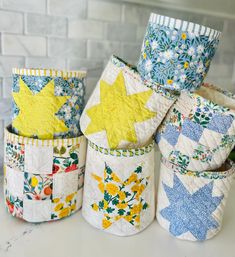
x=70 y=112
x=122 y=199
x=34 y=195
x=197 y=134
x=119 y=195
x=191 y=204
x=175 y=57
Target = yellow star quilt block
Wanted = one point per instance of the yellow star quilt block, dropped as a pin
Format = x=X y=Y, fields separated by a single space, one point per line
x=122 y=112
x=37 y=111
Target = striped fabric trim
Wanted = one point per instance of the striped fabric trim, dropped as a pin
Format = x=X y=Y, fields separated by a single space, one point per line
x=208 y=174
x=49 y=72
x=122 y=152
x=8 y=136
x=183 y=25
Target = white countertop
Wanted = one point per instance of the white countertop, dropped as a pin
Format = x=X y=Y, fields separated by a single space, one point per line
x=74 y=237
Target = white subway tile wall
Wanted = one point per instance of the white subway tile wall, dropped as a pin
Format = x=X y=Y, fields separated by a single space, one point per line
x=74 y=34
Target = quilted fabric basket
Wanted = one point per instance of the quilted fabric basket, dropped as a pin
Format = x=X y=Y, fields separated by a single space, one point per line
x=119 y=189
x=47 y=104
x=123 y=112
x=43 y=178
x=191 y=204
x=176 y=54
x=198 y=132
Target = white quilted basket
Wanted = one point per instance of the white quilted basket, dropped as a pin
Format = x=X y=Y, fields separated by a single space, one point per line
x=123 y=112
x=198 y=132
x=43 y=178
x=119 y=189
x=191 y=204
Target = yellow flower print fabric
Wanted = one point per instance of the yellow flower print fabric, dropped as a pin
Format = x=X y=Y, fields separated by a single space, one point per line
x=123 y=112
x=119 y=193
x=122 y=199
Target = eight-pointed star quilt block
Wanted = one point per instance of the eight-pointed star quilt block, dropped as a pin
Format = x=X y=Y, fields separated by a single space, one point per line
x=47 y=103
x=119 y=195
x=123 y=112
x=191 y=204
x=199 y=128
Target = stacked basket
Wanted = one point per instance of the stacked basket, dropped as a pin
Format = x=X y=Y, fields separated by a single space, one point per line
x=198 y=132
x=44 y=149
x=163 y=98
x=195 y=133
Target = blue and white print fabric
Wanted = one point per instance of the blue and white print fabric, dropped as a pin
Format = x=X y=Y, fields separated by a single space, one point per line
x=198 y=133
x=65 y=84
x=176 y=54
x=190 y=206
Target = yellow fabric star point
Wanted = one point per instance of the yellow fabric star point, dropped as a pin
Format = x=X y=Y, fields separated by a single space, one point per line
x=37 y=111
x=118 y=112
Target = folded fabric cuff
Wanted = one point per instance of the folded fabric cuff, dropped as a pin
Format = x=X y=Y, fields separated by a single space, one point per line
x=191 y=204
x=198 y=132
x=122 y=111
x=119 y=189
x=43 y=179
x=47 y=104
x=176 y=54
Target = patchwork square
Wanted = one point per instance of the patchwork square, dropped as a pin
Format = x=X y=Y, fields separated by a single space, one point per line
x=220 y=123
x=186 y=145
x=65 y=183
x=37 y=187
x=210 y=138
x=38 y=159
x=64 y=206
x=37 y=211
x=30 y=194
x=14 y=155
x=66 y=159
x=15 y=181
x=171 y=134
x=192 y=130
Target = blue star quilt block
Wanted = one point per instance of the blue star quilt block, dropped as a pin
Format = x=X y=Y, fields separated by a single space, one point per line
x=199 y=126
x=190 y=204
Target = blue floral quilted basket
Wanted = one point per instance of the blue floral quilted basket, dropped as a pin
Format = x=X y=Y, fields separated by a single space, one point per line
x=176 y=54
x=47 y=104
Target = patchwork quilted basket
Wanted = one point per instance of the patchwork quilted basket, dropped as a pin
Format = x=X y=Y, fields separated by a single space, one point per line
x=191 y=204
x=176 y=54
x=47 y=104
x=43 y=178
x=198 y=132
x=119 y=189
x=123 y=112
